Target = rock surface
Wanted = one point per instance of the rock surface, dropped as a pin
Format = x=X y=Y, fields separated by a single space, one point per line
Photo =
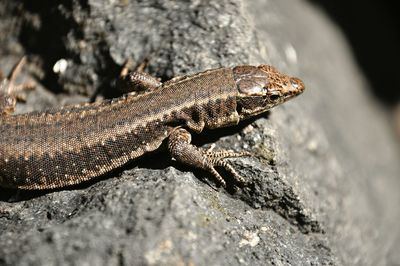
x=323 y=186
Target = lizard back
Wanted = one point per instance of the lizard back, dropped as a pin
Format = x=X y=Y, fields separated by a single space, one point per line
x=67 y=146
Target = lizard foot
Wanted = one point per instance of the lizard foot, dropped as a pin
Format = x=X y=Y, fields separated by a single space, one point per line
x=182 y=151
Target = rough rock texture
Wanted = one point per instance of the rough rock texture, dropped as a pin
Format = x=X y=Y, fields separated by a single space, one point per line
x=323 y=186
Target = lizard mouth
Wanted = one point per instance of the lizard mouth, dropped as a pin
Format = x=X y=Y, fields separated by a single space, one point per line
x=291 y=89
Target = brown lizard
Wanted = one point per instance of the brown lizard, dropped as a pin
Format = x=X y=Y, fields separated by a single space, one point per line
x=66 y=146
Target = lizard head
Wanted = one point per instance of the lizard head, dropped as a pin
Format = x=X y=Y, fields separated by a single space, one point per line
x=263 y=87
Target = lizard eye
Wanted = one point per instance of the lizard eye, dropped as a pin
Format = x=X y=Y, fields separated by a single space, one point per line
x=274 y=97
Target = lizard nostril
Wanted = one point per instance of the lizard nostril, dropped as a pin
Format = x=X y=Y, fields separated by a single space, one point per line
x=297 y=84
x=294 y=83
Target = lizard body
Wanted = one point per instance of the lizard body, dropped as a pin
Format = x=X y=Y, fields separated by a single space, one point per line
x=66 y=146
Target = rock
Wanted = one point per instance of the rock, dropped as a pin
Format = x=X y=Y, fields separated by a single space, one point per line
x=323 y=188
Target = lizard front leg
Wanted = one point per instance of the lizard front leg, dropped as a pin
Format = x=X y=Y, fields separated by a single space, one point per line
x=138 y=80
x=8 y=89
x=182 y=151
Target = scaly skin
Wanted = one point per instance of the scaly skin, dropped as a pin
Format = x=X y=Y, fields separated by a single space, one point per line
x=67 y=146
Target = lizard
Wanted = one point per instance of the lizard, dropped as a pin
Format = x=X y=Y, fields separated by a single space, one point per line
x=57 y=148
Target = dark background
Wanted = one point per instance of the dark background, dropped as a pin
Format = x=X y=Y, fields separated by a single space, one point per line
x=372 y=28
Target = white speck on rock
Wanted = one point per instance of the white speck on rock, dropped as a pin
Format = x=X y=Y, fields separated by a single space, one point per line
x=60 y=66
x=249 y=238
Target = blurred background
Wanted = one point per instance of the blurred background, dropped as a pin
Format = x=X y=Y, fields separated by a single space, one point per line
x=372 y=28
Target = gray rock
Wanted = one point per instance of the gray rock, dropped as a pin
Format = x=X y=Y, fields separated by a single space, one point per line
x=323 y=186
